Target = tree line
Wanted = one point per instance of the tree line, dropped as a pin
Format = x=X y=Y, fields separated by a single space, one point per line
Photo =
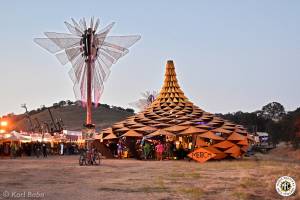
x=273 y=119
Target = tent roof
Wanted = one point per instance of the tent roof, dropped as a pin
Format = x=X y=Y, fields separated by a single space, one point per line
x=137 y=125
x=202 y=126
x=186 y=123
x=107 y=130
x=240 y=130
x=211 y=135
x=122 y=129
x=224 y=144
x=243 y=142
x=132 y=133
x=236 y=136
x=119 y=125
x=176 y=128
x=234 y=149
x=221 y=130
x=213 y=149
x=12 y=137
x=161 y=132
x=228 y=127
x=200 y=142
x=192 y=130
x=110 y=136
x=146 y=129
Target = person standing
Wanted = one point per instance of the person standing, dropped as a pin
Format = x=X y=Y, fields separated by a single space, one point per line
x=13 y=150
x=159 y=150
x=44 y=147
x=61 y=149
x=37 y=149
x=171 y=150
x=147 y=149
x=167 y=150
x=120 y=149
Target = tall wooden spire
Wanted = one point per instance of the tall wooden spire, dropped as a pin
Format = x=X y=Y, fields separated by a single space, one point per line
x=170 y=91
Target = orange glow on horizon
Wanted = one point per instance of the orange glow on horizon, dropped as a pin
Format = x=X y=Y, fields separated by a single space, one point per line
x=3 y=123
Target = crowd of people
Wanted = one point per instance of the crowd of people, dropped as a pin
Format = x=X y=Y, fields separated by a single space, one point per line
x=38 y=149
x=146 y=149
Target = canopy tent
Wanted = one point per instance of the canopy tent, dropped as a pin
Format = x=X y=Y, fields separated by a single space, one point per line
x=15 y=137
x=10 y=138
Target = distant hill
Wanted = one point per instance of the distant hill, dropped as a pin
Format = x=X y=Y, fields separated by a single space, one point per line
x=73 y=116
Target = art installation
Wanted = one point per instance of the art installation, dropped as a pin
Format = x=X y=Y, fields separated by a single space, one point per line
x=173 y=115
x=91 y=53
x=146 y=100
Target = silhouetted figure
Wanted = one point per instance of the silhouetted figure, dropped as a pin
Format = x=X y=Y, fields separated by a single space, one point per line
x=44 y=147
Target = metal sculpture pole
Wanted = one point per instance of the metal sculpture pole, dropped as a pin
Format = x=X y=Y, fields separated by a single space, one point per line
x=89 y=93
x=89 y=49
x=91 y=54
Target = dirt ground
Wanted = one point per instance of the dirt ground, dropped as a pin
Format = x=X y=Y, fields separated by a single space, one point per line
x=60 y=177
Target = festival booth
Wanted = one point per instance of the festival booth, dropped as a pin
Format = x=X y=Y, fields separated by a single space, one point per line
x=73 y=136
x=172 y=118
x=130 y=141
x=9 y=140
x=27 y=140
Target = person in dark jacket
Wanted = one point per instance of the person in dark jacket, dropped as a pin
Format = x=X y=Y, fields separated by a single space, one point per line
x=44 y=148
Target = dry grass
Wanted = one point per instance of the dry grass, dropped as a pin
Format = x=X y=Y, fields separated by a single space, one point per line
x=62 y=178
x=192 y=192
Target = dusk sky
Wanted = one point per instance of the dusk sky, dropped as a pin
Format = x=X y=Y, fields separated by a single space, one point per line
x=229 y=55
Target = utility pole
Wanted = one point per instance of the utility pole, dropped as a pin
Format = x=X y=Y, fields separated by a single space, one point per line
x=52 y=119
x=28 y=116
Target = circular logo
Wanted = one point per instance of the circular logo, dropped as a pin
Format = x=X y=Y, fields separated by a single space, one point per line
x=285 y=186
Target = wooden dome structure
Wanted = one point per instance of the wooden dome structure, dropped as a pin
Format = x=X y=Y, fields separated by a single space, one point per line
x=172 y=114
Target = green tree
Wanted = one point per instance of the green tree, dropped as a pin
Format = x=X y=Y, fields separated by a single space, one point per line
x=105 y=106
x=130 y=110
x=273 y=111
x=62 y=103
x=69 y=102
